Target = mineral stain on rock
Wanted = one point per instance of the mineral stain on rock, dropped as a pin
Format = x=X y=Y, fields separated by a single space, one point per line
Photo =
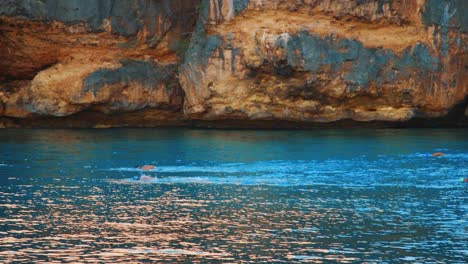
x=302 y=61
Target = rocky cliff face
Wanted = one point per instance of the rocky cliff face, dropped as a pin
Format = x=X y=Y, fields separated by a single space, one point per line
x=322 y=60
x=304 y=60
x=59 y=58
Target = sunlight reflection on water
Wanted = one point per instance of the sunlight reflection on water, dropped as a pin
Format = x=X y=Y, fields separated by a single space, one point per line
x=397 y=205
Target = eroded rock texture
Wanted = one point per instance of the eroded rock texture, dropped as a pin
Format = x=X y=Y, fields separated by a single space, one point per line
x=324 y=60
x=301 y=60
x=59 y=57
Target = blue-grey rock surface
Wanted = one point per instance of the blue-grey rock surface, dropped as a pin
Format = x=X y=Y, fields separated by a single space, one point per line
x=326 y=60
x=304 y=60
x=60 y=58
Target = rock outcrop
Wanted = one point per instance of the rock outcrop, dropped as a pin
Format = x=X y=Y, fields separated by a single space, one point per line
x=59 y=58
x=304 y=61
x=323 y=60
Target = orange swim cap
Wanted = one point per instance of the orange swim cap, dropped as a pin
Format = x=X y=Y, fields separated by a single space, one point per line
x=148 y=167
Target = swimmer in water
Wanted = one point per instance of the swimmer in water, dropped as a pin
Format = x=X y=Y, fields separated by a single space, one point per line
x=147 y=168
x=144 y=177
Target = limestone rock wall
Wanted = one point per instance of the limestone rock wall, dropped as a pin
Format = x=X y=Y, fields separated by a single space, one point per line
x=322 y=60
x=293 y=60
x=62 y=57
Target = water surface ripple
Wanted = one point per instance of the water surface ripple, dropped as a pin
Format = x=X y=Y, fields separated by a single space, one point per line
x=234 y=196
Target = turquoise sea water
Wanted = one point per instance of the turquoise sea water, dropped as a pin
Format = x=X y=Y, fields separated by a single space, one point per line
x=234 y=196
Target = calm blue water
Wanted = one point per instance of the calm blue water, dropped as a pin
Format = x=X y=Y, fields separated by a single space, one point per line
x=234 y=196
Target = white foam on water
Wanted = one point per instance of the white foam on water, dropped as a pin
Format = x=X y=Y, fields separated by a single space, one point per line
x=327 y=167
x=124 y=169
x=409 y=258
x=448 y=155
x=282 y=182
x=391 y=171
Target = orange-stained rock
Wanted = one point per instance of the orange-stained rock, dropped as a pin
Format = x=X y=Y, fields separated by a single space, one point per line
x=323 y=61
x=308 y=61
x=58 y=58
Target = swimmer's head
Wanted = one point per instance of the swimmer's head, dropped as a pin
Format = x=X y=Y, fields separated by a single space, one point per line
x=136 y=177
